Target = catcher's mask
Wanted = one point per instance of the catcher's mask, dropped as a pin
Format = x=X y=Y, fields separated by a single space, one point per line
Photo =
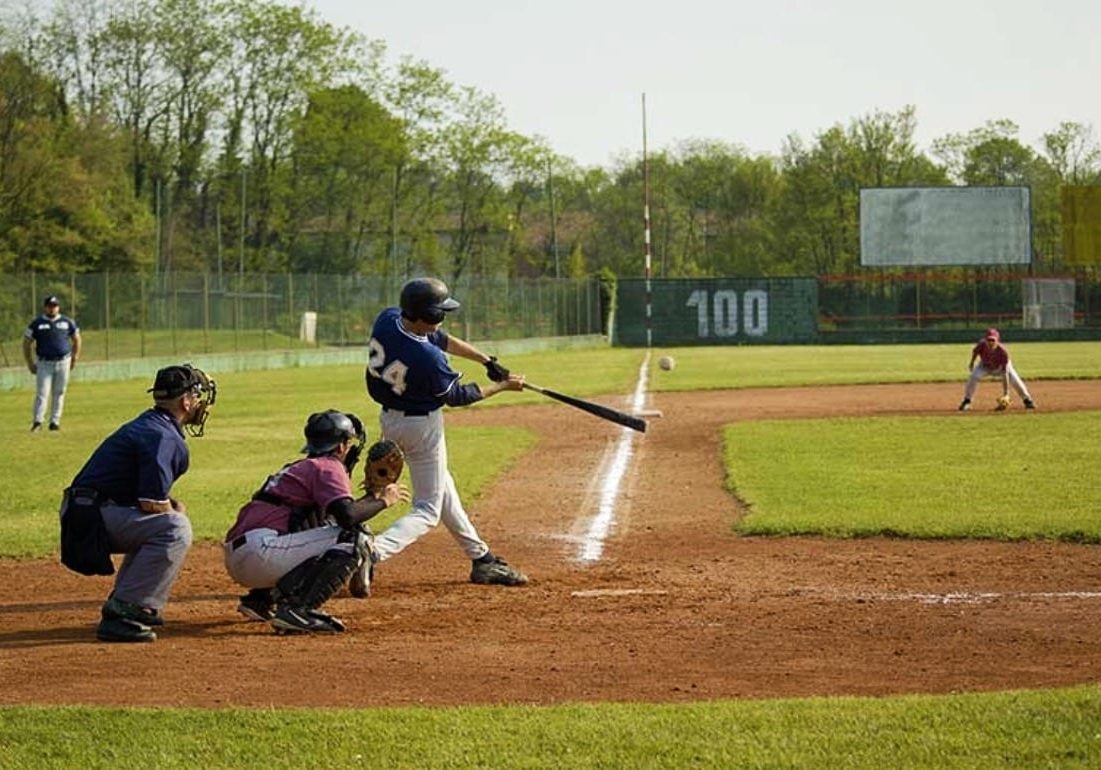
x=326 y=430
x=426 y=299
x=175 y=381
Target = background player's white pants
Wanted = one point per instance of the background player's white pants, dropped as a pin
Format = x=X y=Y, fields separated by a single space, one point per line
x=267 y=556
x=435 y=497
x=981 y=371
x=51 y=379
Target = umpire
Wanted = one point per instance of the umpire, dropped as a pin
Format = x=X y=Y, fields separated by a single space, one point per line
x=120 y=502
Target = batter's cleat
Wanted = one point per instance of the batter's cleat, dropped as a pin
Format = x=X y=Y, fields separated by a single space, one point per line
x=257 y=605
x=120 y=630
x=496 y=572
x=965 y=405
x=359 y=585
x=300 y=620
x=35 y=427
x=116 y=609
x=1029 y=404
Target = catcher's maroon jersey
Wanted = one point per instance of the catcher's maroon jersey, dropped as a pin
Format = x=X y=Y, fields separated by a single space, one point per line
x=312 y=481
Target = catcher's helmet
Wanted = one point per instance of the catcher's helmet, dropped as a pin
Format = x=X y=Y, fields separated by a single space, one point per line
x=325 y=430
x=426 y=299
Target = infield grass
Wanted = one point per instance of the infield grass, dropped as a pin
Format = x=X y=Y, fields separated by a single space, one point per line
x=1013 y=476
x=1056 y=728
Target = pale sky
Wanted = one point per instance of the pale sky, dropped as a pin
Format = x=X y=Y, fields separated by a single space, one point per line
x=749 y=73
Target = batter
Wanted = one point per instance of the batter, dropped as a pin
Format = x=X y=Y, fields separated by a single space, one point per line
x=409 y=376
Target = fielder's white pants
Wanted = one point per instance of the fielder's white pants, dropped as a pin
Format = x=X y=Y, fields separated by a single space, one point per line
x=435 y=497
x=51 y=379
x=980 y=371
x=267 y=556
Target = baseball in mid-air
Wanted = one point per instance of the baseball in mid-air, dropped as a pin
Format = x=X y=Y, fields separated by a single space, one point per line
x=667 y=363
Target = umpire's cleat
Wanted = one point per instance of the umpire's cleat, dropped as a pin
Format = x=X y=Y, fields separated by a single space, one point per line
x=300 y=620
x=496 y=572
x=120 y=630
x=116 y=609
x=965 y=405
x=257 y=605
x=1029 y=404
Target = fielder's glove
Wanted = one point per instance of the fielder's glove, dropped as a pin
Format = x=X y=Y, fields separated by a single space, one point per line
x=1001 y=404
x=495 y=371
x=385 y=462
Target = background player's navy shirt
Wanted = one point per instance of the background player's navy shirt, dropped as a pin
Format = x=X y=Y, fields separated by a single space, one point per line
x=52 y=336
x=140 y=460
x=406 y=371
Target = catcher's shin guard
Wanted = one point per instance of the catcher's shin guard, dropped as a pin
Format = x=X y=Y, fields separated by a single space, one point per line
x=314 y=581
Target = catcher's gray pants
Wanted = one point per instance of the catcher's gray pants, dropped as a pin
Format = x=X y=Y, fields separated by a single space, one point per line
x=435 y=497
x=51 y=379
x=980 y=371
x=155 y=545
x=260 y=557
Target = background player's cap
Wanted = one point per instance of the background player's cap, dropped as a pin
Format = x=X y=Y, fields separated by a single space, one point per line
x=992 y=334
x=51 y=300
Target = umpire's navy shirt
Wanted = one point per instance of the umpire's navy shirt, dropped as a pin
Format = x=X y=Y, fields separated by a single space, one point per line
x=53 y=337
x=139 y=461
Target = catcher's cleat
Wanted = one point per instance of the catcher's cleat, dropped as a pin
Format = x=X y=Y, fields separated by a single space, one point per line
x=116 y=609
x=257 y=605
x=120 y=630
x=359 y=585
x=1029 y=404
x=965 y=405
x=300 y=620
x=497 y=572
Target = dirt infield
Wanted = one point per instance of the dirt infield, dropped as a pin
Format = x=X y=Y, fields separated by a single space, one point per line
x=677 y=609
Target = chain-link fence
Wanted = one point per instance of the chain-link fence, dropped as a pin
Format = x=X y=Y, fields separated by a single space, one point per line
x=130 y=315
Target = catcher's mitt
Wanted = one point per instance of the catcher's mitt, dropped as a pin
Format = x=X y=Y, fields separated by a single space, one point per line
x=385 y=462
x=1001 y=404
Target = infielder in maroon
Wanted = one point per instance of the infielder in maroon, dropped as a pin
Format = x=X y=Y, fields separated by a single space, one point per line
x=993 y=362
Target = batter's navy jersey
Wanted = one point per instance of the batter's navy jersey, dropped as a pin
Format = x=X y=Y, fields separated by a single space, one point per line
x=52 y=336
x=406 y=371
x=139 y=461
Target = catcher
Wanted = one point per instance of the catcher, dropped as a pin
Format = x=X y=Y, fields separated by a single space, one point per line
x=302 y=535
x=994 y=362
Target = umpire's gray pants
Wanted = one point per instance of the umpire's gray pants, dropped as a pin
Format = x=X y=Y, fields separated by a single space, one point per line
x=51 y=379
x=155 y=545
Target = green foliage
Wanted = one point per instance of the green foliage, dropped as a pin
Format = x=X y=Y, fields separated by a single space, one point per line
x=920 y=477
x=1009 y=730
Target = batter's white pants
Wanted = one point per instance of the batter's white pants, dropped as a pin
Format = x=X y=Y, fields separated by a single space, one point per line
x=51 y=379
x=265 y=555
x=435 y=497
x=980 y=371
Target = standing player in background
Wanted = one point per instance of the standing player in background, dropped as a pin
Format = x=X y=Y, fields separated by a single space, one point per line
x=993 y=362
x=56 y=342
x=408 y=374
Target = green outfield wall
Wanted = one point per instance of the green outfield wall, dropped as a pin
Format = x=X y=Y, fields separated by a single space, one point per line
x=717 y=311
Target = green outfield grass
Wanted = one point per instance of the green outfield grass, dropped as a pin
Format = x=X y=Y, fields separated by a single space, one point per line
x=1012 y=476
x=1057 y=728
x=750 y=366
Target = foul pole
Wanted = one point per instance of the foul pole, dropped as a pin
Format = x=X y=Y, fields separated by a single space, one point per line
x=646 y=226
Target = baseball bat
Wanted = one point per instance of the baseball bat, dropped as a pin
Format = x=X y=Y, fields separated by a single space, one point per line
x=620 y=418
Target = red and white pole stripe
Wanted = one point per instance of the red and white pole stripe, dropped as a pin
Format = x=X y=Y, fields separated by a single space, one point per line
x=646 y=228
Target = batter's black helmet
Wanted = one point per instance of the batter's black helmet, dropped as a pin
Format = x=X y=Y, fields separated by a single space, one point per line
x=325 y=430
x=426 y=299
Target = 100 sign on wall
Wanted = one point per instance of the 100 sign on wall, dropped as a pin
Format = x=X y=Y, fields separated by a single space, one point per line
x=719 y=316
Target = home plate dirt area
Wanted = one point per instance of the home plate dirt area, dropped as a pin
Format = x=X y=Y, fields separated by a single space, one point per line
x=677 y=607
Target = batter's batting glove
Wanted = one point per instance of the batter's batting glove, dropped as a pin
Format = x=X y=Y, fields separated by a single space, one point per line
x=495 y=371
